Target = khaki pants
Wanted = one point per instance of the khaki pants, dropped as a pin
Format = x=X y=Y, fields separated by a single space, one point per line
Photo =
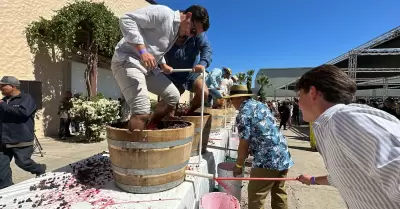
x=258 y=190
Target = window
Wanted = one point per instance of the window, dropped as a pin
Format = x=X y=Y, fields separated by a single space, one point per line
x=34 y=88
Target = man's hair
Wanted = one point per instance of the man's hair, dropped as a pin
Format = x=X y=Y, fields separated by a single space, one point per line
x=199 y=14
x=334 y=84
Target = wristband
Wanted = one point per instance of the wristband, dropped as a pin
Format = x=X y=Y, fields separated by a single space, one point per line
x=239 y=166
x=142 y=51
x=312 y=180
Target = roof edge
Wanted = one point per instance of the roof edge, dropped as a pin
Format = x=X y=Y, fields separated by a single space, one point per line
x=151 y=1
x=389 y=35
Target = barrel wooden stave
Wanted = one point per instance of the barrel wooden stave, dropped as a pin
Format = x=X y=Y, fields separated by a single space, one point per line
x=196 y=120
x=149 y=161
x=217 y=118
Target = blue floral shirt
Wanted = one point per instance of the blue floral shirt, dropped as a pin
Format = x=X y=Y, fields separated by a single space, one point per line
x=256 y=124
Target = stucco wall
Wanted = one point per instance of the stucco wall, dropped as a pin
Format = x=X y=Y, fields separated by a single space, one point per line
x=16 y=59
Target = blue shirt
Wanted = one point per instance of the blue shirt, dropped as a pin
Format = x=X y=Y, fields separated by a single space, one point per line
x=214 y=79
x=184 y=57
x=256 y=124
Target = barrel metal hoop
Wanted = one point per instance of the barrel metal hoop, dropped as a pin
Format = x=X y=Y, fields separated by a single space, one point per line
x=149 y=189
x=146 y=172
x=218 y=116
x=149 y=145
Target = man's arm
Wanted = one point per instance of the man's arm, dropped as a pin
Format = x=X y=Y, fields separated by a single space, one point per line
x=243 y=152
x=244 y=133
x=373 y=145
x=25 y=109
x=205 y=50
x=148 y=17
x=311 y=180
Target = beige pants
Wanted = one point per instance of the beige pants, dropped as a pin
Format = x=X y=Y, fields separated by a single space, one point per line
x=258 y=190
x=135 y=86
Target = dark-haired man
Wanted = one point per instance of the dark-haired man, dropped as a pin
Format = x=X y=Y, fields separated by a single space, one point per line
x=183 y=55
x=17 y=111
x=149 y=33
x=359 y=144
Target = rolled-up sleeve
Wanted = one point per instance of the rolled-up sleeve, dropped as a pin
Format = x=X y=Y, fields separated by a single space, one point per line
x=148 y=17
x=373 y=146
x=205 y=50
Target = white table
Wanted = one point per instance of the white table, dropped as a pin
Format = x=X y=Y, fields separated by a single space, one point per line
x=107 y=195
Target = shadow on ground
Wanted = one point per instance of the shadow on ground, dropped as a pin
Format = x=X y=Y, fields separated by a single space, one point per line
x=302 y=148
x=302 y=131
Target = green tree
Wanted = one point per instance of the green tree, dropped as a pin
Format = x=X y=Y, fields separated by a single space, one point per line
x=82 y=27
x=263 y=81
x=241 y=78
x=249 y=79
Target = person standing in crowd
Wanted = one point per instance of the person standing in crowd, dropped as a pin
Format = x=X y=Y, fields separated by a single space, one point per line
x=389 y=106
x=290 y=113
x=284 y=112
x=226 y=84
x=296 y=112
x=183 y=56
x=148 y=34
x=213 y=82
x=359 y=144
x=65 y=118
x=271 y=158
x=17 y=124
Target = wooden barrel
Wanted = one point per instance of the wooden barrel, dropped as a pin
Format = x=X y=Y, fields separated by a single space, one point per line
x=217 y=118
x=196 y=120
x=150 y=161
x=229 y=112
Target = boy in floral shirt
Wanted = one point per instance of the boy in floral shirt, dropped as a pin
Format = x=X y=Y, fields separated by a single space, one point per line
x=258 y=131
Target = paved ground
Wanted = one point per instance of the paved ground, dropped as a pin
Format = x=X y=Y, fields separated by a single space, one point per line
x=58 y=154
x=302 y=196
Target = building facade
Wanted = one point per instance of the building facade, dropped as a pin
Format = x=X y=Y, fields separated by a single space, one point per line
x=56 y=76
x=278 y=77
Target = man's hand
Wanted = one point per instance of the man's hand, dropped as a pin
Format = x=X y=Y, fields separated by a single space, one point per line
x=1 y=101
x=198 y=69
x=149 y=61
x=305 y=179
x=166 y=68
x=237 y=171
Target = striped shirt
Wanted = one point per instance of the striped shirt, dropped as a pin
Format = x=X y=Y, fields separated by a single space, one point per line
x=360 y=146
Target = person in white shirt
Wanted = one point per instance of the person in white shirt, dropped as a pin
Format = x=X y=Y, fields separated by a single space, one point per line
x=360 y=145
x=226 y=84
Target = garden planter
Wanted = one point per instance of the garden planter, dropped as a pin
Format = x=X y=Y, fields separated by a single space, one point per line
x=150 y=161
x=196 y=120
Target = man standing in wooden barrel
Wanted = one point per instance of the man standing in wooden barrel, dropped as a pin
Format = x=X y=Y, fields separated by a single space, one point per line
x=257 y=131
x=183 y=55
x=213 y=82
x=148 y=34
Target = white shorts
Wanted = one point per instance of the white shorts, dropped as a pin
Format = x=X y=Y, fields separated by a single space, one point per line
x=135 y=86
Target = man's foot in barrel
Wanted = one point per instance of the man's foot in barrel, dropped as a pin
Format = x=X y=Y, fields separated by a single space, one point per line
x=151 y=126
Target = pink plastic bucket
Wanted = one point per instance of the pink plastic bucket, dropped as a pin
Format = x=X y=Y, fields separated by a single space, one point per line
x=219 y=200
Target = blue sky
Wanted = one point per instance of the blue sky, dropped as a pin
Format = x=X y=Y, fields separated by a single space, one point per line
x=290 y=33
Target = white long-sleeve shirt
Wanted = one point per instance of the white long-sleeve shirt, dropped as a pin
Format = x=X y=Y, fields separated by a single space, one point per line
x=155 y=26
x=361 y=149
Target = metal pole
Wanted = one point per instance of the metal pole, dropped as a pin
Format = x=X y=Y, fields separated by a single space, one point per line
x=202 y=107
x=202 y=115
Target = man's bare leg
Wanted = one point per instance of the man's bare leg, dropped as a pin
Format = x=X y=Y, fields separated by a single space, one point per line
x=162 y=110
x=196 y=101
x=138 y=122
